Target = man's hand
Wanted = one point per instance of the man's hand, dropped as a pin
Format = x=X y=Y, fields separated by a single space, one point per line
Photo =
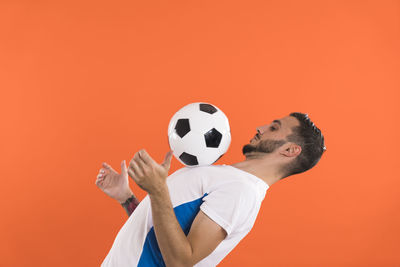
x=148 y=174
x=114 y=184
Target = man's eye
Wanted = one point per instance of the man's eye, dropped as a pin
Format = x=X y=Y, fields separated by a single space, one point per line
x=272 y=128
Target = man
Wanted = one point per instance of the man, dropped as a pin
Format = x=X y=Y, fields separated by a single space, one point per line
x=196 y=216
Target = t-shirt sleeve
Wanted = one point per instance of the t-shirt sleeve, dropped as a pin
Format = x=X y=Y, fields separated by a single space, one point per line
x=230 y=206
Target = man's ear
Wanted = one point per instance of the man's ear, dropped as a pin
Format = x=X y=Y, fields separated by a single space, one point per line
x=293 y=150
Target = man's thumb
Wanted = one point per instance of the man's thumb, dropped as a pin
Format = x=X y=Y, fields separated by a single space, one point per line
x=167 y=160
x=123 y=167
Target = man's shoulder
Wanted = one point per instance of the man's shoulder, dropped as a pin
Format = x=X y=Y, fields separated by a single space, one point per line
x=213 y=177
x=207 y=169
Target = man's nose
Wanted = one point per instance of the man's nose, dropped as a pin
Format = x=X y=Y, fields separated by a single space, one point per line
x=260 y=130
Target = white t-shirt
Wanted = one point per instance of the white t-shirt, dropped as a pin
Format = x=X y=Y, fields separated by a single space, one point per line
x=229 y=196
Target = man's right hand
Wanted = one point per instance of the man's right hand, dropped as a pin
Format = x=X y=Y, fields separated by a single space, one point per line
x=114 y=184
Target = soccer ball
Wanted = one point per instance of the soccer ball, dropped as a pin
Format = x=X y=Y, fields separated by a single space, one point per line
x=199 y=134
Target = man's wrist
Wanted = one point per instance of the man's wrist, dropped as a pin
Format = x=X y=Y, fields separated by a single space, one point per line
x=130 y=204
x=162 y=189
x=125 y=198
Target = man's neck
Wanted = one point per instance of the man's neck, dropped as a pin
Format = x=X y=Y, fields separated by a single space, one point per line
x=260 y=168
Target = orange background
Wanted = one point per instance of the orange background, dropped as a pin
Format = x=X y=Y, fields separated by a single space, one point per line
x=84 y=82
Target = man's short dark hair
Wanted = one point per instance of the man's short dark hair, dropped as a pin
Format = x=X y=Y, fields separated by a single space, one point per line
x=312 y=144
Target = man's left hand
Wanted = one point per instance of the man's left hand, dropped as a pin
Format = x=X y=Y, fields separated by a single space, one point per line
x=148 y=174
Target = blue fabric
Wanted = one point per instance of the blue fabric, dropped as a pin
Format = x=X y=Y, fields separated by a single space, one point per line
x=185 y=213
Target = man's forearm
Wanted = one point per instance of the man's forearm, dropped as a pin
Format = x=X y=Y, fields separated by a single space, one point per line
x=174 y=245
x=130 y=204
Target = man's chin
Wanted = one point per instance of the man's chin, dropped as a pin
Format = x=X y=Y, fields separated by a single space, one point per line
x=248 y=149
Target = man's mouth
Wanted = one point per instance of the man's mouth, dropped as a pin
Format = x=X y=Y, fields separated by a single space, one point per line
x=255 y=138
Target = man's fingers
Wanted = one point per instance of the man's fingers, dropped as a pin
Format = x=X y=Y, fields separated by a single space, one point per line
x=99 y=182
x=141 y=164
x=135 y=168
x=146 y=157
x=139 y=159
x=107 y=167
x=132 y=175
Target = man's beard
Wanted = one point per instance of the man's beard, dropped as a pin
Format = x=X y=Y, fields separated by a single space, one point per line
x=264 y=146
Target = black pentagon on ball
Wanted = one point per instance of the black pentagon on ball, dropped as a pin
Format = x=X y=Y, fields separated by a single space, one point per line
x=208 y=108
x=182 y=127
x=189 y=159
x=213 y=138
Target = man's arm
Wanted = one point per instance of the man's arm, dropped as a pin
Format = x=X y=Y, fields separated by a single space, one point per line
x=177 y=249
x=116 y=186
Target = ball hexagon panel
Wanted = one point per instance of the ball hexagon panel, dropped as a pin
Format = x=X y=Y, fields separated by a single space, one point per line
x=196 y=141
x=208 y=156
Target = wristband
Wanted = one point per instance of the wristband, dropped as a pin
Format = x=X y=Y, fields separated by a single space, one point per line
x=130 y=204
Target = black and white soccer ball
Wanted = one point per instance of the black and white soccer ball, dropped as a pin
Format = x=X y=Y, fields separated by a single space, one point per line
x=199 y=134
